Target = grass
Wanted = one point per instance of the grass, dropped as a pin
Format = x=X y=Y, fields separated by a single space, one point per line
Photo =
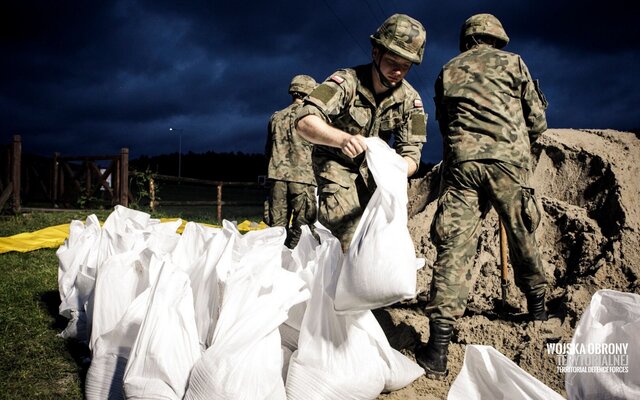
x=34 y=362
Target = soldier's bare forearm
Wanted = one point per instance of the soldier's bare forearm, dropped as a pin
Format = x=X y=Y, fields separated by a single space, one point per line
x=411 y=166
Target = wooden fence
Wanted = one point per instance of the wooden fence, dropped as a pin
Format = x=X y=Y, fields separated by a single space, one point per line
x=69 y=177
x=10 y=184
x=154 y=202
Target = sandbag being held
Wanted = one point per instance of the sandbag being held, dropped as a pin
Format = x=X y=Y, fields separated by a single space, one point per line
x=379 y=268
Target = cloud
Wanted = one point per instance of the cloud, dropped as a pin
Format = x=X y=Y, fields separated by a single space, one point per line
x=96 y=76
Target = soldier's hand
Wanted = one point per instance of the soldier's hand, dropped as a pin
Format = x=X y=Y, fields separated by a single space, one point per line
x=353 y=145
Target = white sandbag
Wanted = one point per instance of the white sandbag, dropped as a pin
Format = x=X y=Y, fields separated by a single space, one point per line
x=300 y=260
x=245 y=359
x=82 y=238
x=218 y=251
x=336 y=359
x=380 y=265
x=74 y=257
x=192 y=245
x=488 y=375
x=121 y=298
x=610 y=325
x=167 y=344
x=400 y=371
x=111 y=351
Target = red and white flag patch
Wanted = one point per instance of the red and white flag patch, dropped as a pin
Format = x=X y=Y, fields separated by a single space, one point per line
x=417 y=103
x=337 y=79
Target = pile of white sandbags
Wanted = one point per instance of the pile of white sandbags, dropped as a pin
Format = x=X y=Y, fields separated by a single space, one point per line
x=213 y=313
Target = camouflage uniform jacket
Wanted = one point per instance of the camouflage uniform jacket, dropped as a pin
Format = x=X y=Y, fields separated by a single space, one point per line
x=289 y=154
x=488 y=107
x=346 y=101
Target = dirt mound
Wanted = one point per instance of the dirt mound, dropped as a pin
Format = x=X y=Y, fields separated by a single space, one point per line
x=588 y=184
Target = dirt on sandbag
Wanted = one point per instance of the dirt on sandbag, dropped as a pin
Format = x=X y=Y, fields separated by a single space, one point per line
x=588 y=184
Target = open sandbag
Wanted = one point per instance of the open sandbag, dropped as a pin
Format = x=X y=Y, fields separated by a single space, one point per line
x=74 y=258
x=167 y=344
x=300 y=260
x=121 y=299
x=245 y=358
x=379 y=267
x=488 y=375
x=605 y=360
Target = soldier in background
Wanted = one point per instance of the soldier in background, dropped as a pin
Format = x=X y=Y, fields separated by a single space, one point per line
x=292 y=199
x=365 y=101
x=489 y=111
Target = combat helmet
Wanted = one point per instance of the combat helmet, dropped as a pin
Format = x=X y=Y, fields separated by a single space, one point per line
x=302 y=84
x=402 y=35
x=483 y=24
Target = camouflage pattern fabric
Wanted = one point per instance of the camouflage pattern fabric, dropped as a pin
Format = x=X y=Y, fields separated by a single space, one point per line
x=346 y=101
x=292 y=205
x=292 y=196
x=289 y=154
x=489 y=111
x=402 y=35
x=488 y=107
x=467 y=193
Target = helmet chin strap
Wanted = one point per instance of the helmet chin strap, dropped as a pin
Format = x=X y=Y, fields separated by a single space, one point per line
x=385 y=82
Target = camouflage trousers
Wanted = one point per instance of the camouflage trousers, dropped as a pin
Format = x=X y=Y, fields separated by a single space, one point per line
x=467 y=192
x=291 y=205
x=340 y=208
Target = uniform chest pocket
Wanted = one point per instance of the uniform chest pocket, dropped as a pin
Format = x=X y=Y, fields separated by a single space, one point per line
x=360 y=115
x=390 y=123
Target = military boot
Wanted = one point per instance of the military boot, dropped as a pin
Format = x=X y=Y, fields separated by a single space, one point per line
x=536 y=307
x=433 y=356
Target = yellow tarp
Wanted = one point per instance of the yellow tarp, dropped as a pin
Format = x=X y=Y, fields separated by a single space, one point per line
x=54 y=236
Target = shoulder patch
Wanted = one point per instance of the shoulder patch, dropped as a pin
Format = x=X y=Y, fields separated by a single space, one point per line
x=337 y=79
x=417 y=103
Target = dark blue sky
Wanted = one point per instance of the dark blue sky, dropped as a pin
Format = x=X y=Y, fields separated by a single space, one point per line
x=90 y=77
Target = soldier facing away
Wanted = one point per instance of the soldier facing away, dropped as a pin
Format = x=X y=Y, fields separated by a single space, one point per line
x=292 y=199
x=489 y=111
x=364 y=101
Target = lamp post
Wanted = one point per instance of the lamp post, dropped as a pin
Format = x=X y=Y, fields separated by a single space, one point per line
x=179 y=149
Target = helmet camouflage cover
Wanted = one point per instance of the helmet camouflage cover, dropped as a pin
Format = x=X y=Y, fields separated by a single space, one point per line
x=302 y=84
x=402 y=35
x=483 y=24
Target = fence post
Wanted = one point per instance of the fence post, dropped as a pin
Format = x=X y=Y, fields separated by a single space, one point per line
x=124 y=177
x=152 y=194
x=219 y=199
x=16 y=159
x=87 y=183
x=55 y=179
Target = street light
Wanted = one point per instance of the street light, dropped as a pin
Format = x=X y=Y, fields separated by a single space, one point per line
x=179 y=149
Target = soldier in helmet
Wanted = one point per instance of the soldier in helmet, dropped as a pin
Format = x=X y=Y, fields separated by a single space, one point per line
x=489 y=111
x=364 y=101
x=292 y=200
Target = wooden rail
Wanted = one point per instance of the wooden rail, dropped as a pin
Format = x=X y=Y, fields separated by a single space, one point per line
x=218 y=203
x=118 y=169
x=19 y=179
